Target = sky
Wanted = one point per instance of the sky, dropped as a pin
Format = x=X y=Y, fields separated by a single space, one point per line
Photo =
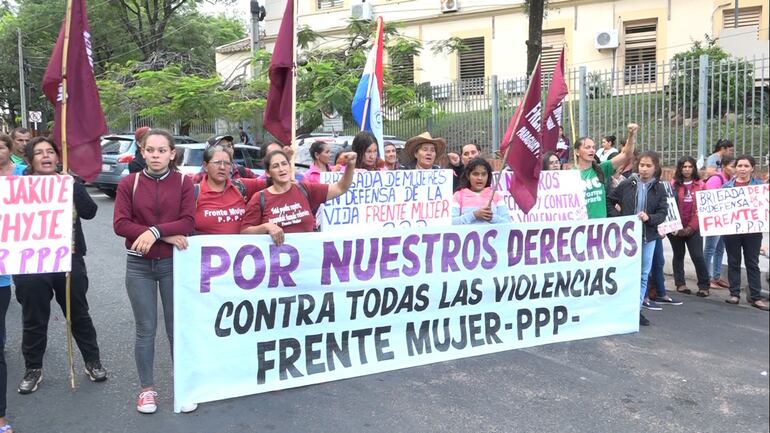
x=240 y=8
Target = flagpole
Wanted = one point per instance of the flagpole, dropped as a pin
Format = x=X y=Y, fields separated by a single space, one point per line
x=294 y=84
x=570 y=106
x=372 y=77
x=63 y=138
x=513 y=132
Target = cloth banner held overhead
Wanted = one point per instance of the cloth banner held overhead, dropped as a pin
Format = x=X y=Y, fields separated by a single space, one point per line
x=35 y=224
x=729 y=211
x=524 y=154
x=85 y=119
x=280 y=97
x=388 y=199
x=367 y=102
x=557 y=90
x=264 y=317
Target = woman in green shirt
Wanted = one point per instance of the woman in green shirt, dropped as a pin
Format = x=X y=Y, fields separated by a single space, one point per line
x=595 y=176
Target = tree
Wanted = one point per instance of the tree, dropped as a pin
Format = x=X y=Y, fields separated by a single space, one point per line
x=147 y=22
x=535 y=9
x=189 y=40
x=730 y=79
x=328 y=77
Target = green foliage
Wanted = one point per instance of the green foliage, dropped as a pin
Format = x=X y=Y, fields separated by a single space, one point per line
x=730 y=79
x=448 y=46
x=189 y=37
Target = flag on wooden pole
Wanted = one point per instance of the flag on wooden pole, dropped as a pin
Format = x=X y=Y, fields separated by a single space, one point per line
x=557 y=90
x=521 y=144
x=280 y=95
x=70 y=85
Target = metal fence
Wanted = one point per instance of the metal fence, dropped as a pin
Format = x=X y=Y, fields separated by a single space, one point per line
x=682 y=107
x=678 y=105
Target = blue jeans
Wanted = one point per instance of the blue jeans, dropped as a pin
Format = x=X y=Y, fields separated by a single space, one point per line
x=656 y=272
x=713 y=250
x=648 y=251
x=145 y=278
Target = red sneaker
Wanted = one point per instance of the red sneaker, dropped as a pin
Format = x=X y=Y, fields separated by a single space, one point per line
x=145 y=403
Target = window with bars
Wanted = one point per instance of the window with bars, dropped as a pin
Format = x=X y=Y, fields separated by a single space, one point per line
x=553 y=41
x=640 y=60
x=402 y=68
x=327 y=4
x=471 y=65
x=747 y=17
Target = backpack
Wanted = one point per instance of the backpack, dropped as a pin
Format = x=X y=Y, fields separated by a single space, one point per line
x=302 y=189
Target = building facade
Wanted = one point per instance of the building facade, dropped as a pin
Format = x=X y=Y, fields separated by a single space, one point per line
x=622 y=35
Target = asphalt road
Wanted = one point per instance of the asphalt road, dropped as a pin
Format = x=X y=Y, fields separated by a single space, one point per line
x=700 y=367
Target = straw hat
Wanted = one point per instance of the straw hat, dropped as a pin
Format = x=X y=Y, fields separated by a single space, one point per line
x=411 y=146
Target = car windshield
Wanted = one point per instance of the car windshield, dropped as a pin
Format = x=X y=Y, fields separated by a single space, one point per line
x=193 y=157
x=116 y=146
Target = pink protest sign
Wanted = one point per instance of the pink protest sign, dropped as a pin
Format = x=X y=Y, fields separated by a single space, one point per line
x=35 y=224
x=729 y=211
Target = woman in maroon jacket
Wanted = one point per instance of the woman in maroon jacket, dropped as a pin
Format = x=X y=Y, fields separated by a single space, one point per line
x=686 y=183
x=154 y=211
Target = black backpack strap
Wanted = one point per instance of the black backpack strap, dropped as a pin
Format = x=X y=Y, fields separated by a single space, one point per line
x=196 y=192
x=261 y=200
x=306 y=193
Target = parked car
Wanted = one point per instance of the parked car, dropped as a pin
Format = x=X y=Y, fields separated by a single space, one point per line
x=338 y=144
x=189 y=157
x=117 y=151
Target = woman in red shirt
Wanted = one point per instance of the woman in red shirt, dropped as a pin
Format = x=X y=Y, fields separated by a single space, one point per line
x=686 y=183
x=287 y=206
x=220 y=202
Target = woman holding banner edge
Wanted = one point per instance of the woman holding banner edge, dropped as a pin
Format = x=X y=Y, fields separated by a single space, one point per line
x=747 y=243
x=596 y=176
x=154 y=212
x=686 y=183
x=264 y=212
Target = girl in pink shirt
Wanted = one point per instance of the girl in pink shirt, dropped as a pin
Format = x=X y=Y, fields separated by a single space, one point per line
x=471 y=202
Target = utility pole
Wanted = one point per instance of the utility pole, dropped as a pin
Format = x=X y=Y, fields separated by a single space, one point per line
x=22 y=85
x=257 y=15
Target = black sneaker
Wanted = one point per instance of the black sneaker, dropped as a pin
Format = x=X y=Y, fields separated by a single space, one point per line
x=668 y=300
x=96 y=372
x=30 y=381
x=643 y=320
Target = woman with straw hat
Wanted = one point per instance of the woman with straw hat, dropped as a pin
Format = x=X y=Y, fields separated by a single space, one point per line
x=423 y=151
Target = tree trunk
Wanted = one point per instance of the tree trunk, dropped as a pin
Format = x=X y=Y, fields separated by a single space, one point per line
x=535 y=41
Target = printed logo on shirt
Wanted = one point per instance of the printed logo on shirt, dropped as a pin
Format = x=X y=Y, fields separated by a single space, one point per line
x=288 y=214
x=224 y=215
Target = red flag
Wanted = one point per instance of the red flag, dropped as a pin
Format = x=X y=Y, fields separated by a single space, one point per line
x=85 y=119
x=280 y=97
x=557 y=90
x=523 y=137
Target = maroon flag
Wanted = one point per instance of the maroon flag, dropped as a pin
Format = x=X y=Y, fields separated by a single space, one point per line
x=523 y=137
x=557 y=90
x=85 y=119
x=280 y=97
